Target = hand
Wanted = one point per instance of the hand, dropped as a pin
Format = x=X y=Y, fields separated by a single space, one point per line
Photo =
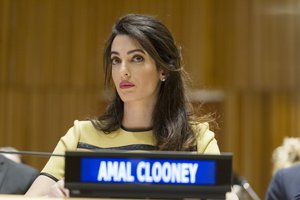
x=58 y=190
x=231 y=196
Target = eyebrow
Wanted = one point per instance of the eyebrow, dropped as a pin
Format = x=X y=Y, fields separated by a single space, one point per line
x=129 y=52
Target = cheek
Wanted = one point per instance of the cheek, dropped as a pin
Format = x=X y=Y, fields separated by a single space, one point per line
x=152 y=79
x=114 y=76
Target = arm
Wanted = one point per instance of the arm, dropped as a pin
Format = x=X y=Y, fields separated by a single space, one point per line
x=45 y=186
x=41 y=186
x=53 y=185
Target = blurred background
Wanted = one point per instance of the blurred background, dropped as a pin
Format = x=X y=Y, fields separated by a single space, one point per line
x=243 y=58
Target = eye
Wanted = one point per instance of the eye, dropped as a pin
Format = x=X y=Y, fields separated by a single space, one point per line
x=115 y=60
x=138 y=58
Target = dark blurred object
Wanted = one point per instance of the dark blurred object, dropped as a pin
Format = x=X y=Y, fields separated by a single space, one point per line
x=15 y=178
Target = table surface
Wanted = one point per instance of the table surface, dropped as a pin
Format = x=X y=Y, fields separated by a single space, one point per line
x=18 y=197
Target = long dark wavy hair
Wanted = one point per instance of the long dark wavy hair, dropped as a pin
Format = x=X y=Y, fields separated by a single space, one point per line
x=171 y=116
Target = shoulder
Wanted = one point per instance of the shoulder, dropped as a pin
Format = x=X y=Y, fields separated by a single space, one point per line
x=85 y=124
x=80 y=127
x=205 y=138
x=200 y=128
x=79 y=131
x=284 y=183
x=288 y=175
x=291 y=170
x=202 y=131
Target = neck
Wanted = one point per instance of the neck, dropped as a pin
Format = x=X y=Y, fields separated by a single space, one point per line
x=138 y=115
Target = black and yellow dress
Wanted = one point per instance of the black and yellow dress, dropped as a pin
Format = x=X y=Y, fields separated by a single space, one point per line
x=83 y=136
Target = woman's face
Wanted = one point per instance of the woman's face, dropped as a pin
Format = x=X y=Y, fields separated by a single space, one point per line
x=134 y=72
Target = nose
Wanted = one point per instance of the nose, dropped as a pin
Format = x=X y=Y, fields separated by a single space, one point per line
x=125 y=72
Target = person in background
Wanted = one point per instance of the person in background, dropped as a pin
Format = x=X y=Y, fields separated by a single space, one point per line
x=285 y=183
x=15 y=157
x=15 y=176
x=149 y=110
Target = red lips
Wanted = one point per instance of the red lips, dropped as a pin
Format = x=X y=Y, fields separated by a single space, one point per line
x=126 y=85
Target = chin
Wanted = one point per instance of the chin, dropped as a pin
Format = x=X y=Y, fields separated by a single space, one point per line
x=125 y=98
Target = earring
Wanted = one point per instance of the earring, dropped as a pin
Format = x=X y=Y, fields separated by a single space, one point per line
x=163 y=79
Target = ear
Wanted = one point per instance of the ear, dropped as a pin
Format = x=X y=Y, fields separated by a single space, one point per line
x=163 y=75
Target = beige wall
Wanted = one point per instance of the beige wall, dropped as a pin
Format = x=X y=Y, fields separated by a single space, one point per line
x=51 y=73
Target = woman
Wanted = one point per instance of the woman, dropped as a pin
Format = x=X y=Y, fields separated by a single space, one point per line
x=149 y=110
